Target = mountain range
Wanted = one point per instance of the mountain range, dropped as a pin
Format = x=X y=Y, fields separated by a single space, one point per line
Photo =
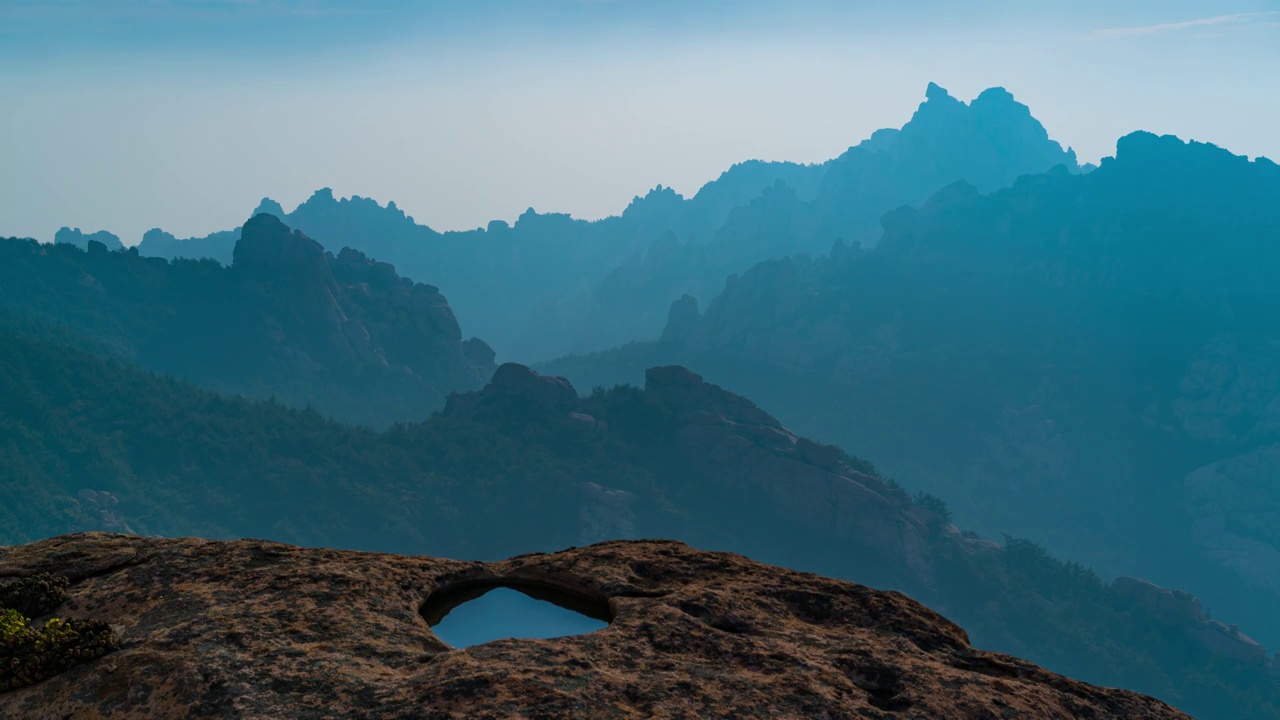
x=576 y=286
x=1081 y=359
x=286 y=319
x=1090 y=357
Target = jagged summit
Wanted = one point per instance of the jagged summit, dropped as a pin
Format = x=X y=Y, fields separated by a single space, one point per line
x=1147 y=147
x=586 y=285
x=936 y=92
x=343 y=333
x=269 y=207
x=660 y=200
x=268 y=250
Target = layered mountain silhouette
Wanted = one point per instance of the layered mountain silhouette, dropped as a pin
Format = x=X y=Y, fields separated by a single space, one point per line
x=1082 y=360
x=1087 y=360
x=583 y=286
x=342 y=333
x=81 y=239
x=528 y=464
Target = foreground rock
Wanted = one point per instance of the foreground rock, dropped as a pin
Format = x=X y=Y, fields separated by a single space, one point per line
x=262 y=630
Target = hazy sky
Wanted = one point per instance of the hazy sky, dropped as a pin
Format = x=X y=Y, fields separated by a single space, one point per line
x=130 y=114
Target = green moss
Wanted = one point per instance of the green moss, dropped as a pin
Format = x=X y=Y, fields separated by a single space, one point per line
x=29 y=654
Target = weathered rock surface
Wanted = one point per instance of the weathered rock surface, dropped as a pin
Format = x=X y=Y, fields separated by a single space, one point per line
x=256 y=629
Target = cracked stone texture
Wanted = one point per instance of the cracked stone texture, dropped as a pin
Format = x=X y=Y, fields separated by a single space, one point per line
x=253 y=629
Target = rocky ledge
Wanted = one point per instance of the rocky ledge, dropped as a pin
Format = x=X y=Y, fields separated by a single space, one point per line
x=252 y=629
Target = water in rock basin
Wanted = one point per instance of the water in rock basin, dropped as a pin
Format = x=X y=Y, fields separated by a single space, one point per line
x=505 y=613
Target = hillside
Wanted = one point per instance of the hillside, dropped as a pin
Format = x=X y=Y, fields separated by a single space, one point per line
x=341 y=333
x=592 y=285
x=528 y=464
x=690 y=634
x=1085 y=360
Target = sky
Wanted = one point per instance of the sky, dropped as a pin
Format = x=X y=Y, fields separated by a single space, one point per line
x=126 y=115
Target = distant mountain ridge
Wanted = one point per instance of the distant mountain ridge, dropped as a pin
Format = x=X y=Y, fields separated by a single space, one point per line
x=1086 y=360
x=591 y=285
x=342 y=333
x=81 y=239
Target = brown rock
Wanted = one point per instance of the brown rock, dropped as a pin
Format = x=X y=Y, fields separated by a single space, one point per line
x=262 y=630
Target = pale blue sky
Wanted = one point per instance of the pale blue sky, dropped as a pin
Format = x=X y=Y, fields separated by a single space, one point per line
x=129 y=114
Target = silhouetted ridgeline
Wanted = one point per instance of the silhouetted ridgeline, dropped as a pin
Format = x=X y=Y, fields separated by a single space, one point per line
x=342 y=333
x=1085 y=357
x=590 y=285
x=81 y=240
x=1087 y=360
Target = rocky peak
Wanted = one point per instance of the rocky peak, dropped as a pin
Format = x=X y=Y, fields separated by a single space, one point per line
x=323 y=196
x=268 y=250
x=936 y=93
x=989 y=143
x=549 y=396
x=547 y=391
x=938 y=110
x=997 y=97
x=350 y=311
x=156 y=236
x=357 y=267
x=82 y=239
x=478 y=353
x=658 y=202
x=269 y=207
x=1005 y=127
x=1166 y=159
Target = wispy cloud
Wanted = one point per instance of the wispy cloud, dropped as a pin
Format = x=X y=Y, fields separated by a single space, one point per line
x=1156 y=29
